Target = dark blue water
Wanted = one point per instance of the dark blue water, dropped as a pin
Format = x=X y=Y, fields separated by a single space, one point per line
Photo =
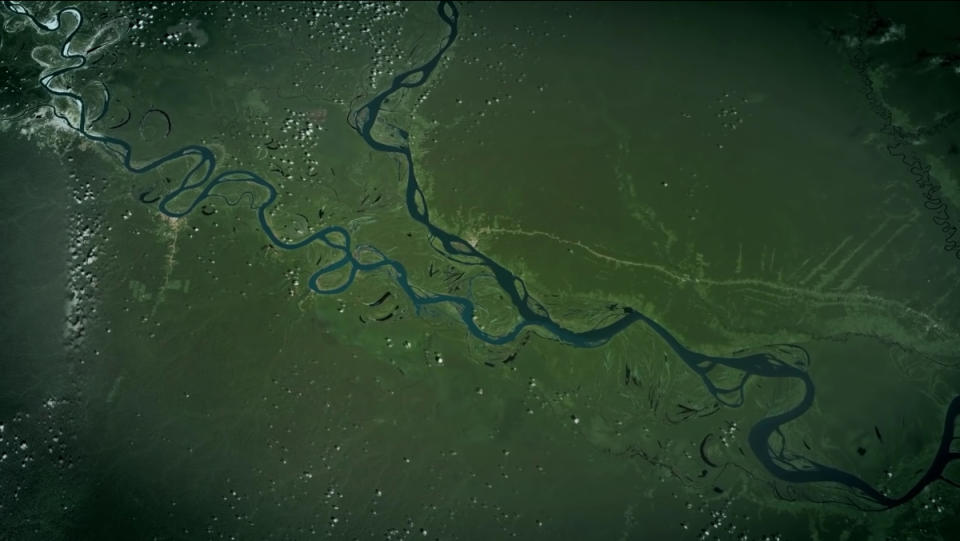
x=778 y=361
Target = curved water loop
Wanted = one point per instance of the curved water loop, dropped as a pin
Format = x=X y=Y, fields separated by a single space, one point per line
x=789 y=362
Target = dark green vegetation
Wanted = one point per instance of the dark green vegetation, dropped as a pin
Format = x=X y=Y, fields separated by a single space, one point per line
x=744 y=175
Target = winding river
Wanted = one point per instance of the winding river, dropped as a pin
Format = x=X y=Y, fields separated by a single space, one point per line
x=778 y=361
